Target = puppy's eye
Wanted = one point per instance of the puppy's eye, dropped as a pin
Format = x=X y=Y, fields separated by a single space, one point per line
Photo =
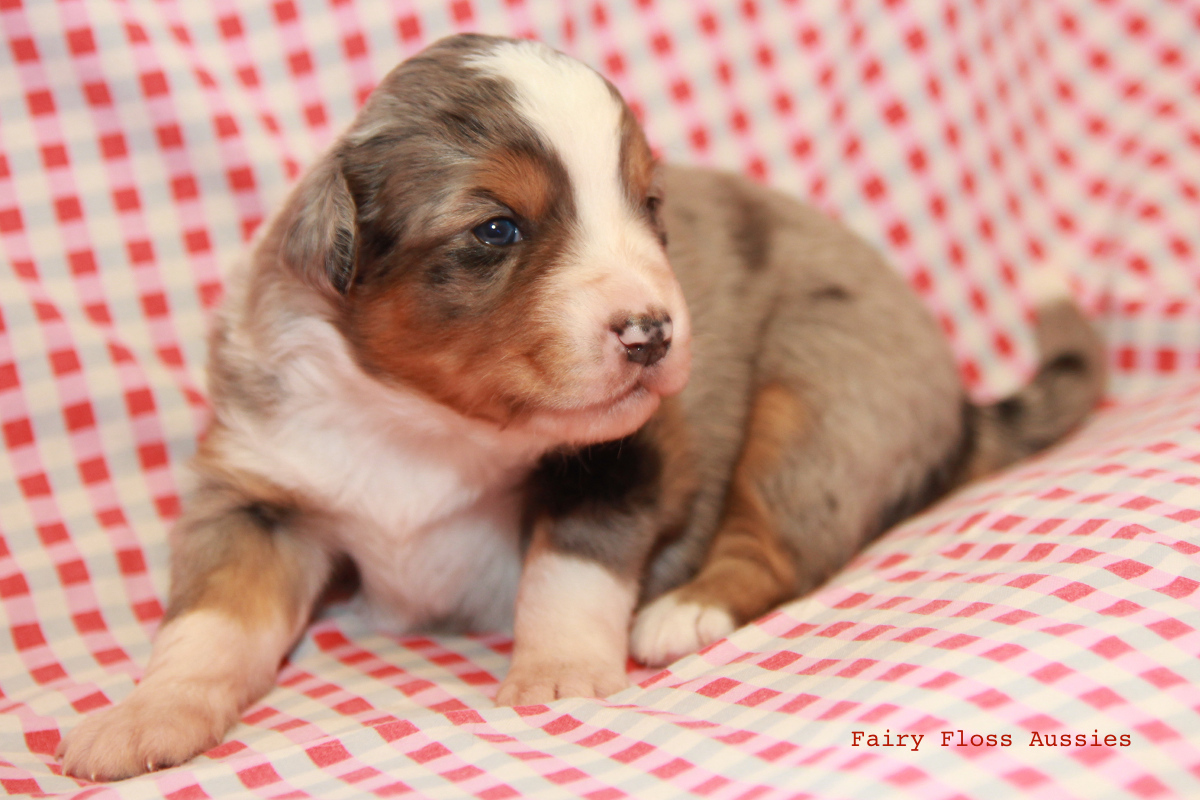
x=498 y=232
x=653 y=204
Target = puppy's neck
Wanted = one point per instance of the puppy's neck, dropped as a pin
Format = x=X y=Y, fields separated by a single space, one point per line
x=321 y=420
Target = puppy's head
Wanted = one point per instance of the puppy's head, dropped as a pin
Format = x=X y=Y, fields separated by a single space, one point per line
x=487 y=234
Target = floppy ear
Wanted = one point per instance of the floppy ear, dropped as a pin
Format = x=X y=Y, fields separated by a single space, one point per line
x=317 y=229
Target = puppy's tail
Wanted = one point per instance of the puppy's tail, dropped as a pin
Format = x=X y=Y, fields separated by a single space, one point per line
x=1068 y=384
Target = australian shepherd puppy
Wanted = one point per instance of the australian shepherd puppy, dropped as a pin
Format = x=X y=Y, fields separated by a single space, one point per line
x=457 y=359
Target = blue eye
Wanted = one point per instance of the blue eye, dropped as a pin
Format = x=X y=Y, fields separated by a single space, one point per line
x=498 y=232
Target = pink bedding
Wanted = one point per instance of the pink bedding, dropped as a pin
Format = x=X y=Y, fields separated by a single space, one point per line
x=1034 y=635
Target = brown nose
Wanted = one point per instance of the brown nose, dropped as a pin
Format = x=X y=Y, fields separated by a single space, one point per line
x=646 y=339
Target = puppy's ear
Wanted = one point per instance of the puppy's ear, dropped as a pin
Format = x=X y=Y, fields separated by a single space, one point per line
x=317 y=229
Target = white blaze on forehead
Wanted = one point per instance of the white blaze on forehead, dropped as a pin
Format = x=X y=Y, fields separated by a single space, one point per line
x=576 y=114
x=617 y=266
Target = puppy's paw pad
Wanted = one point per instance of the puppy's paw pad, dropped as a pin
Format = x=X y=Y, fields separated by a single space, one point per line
x=540 y=683
x=134 y=737
x=669 y=628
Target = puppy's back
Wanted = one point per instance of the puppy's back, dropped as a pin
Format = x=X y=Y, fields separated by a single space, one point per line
x=790 y=303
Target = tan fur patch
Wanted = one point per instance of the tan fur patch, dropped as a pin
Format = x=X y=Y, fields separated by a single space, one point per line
x=479 y=343
x=669 y=428
x=519 y=181
x=637 y=161
x=491 y=367
x=749 y=568
x=250 y=581
x=639 y=168
x=210 y=461
x=226 y=558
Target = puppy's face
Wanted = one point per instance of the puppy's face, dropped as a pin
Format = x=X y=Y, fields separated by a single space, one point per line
x=488 y=232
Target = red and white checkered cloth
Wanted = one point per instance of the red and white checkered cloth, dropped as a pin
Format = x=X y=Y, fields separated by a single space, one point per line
x=142 y=141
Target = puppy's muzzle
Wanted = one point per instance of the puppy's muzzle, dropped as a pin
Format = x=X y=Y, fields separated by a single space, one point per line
x=646 y=338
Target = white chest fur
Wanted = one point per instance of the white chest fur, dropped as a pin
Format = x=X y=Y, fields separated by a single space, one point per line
x=424 y=501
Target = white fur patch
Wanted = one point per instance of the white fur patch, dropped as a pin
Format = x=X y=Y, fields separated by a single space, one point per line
x=572 y=631
x=205 y=669
x=423 y=499
x=667 y=629
x=564 y=595
x=618 y=267
x=207 y=646
x=577 y=115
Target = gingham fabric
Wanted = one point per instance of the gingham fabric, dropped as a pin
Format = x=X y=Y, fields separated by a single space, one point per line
x=142 y=142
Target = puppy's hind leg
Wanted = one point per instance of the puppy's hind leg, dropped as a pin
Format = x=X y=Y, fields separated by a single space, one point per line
x=242 y=589
x=749 y=568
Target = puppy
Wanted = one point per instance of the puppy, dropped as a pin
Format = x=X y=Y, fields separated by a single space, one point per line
x=457 y=358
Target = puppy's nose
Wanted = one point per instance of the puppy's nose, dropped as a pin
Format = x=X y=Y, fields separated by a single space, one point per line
x=646 y=338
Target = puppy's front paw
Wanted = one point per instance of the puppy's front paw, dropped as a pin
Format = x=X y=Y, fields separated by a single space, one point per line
x=149 y=730
x=538 y=682
x=669 y=628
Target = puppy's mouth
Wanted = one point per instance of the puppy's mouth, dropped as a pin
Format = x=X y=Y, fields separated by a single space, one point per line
x=658 y=382
x=636 y=390
x=612 y=418
x=618 y=414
